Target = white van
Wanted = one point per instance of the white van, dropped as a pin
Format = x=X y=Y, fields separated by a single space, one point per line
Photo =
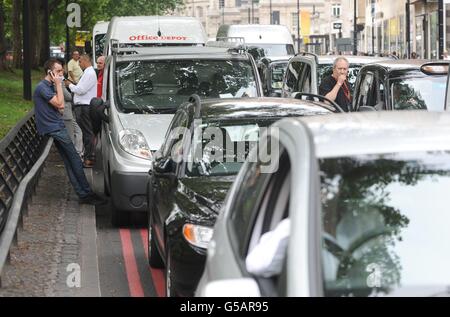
x=276 y=40
x=98 y=40
x=138 y=31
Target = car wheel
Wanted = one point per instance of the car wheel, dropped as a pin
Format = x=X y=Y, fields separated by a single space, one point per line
x=154 y=257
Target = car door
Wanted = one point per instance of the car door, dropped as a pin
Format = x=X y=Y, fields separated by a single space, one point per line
x=304 y=82
x=164 y=177
x=291 y=78
x=365 y=91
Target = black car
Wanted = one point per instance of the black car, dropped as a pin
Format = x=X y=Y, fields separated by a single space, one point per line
x=271 y=72
x=401 y=85
x=193 y=171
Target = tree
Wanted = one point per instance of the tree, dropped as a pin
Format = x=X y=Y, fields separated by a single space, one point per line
x=2 y=37
x=17 y=33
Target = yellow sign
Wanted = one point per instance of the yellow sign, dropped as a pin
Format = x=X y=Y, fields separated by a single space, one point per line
x=305 y=26
x=393 y=27
x=81 y=38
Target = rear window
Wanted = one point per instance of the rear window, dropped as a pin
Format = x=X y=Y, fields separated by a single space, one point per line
x=161 y=86
x=418 y=93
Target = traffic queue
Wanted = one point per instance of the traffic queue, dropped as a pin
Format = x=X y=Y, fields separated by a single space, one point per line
x=256 y=179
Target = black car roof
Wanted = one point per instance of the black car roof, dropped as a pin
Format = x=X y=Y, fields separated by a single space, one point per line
x=405 y=64
x=264 y=108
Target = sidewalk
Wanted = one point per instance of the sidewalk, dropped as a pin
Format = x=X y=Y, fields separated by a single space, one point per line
x=57 y=241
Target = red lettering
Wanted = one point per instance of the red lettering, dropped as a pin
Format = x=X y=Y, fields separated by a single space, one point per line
x=132 y=38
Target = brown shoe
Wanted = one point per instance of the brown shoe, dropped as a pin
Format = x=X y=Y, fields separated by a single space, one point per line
x=88 y=164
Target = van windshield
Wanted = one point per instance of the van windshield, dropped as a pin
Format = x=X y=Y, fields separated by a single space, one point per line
x=160 y=86
x=276 y=49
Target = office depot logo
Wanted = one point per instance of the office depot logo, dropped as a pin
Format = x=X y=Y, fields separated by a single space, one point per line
x=157 y=38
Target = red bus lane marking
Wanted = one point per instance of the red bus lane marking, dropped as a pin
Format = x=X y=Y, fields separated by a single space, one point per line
x=134 y=280
x=157 y=275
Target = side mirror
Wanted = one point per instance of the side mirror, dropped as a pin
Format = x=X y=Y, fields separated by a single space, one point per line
x=243 y=287
x=164 y=169
x=98 y=107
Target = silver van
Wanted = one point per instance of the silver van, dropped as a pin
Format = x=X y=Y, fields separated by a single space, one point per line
x=276 y=40
x=144 y=87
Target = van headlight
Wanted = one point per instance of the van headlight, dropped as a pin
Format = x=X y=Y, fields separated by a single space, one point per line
x=133 y=142
x=198 y=236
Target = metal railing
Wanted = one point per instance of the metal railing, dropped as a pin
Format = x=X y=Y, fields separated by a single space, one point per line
x=22 y=155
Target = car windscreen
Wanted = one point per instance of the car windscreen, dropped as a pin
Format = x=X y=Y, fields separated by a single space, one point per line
x=385 y=223
x=325 y=70
x=418 y=93
x=160 y=86
x=278 y=71
x=223 y=146
x=276 y=49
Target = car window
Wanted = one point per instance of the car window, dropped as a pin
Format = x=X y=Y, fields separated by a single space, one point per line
x=278 y=71
x=413 y=93
x=179 y=121
x=365 y=90
x=304 y=83
x=385 y=218
x=292 y=75
x=245 y=202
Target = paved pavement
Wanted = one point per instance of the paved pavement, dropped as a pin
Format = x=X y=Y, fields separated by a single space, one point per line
x=67 y=249
x=56 y=253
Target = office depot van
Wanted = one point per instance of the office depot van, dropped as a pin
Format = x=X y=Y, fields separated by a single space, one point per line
x=142 y=31
x=144 y=87
x=276 y=40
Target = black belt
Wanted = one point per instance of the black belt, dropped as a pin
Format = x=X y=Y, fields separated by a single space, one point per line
x=80 y=105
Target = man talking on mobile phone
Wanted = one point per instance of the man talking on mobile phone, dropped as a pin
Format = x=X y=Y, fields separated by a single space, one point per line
x=48 y=102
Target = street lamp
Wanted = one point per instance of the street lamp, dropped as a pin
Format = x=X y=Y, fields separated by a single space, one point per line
x=355 y=26
x=271 y=16
x=298 y=25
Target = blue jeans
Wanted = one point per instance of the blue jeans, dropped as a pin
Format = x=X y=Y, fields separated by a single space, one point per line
x=72 y=162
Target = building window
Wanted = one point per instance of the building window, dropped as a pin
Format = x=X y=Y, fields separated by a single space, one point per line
x=336 y=10
x=238 y=3
x=294 y=21
x=276 y=17
x=221 y=4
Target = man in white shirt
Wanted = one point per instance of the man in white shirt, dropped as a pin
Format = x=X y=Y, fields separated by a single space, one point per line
x=84 y=91
x=266 y=258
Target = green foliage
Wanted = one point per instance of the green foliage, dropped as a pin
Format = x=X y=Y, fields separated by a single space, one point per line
x=12 y=105
x=104 y=10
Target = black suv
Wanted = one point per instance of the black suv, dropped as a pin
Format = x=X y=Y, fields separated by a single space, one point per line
x=401 y=85
x=203 y=151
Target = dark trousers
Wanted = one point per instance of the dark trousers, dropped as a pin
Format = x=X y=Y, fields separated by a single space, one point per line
x=84 y=121
x=72 y=162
